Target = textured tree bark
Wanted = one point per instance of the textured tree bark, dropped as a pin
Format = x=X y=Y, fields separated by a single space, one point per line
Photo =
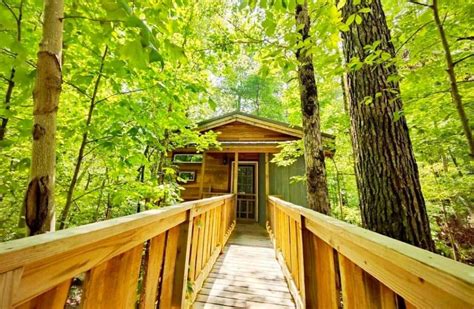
x=316 y=186
x=82 y=147
x=39 y=198
x=390 y=194
x=452 y=78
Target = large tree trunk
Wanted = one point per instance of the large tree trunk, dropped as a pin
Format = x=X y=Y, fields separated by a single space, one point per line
x=316 y=186
x=452 y=78
x=390 y=194
x=39 y=198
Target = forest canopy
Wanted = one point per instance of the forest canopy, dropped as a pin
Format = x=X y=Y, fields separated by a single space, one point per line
x=137 y=76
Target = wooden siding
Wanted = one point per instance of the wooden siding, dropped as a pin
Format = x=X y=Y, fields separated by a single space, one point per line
x=216 y=176
x=280 y=178
x=238 y=131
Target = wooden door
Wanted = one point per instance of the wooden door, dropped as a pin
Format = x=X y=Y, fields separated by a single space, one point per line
x=246 y=193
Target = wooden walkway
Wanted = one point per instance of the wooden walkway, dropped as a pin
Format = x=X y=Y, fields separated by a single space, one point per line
x=247 y=275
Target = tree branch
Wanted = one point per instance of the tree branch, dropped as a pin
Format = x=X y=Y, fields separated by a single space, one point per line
x=80 y=90
x=91 y=18
x=420 y=3
x=465 y=38
x=411 y=36
x=462 y=59
x=127 y=92
x=10 y=9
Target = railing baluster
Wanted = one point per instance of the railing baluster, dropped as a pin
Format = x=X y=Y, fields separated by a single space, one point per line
x=194 y=250
x=320 y=276
x=359 y=289
x=152 y=273
x=113 y=283
x=171 y=251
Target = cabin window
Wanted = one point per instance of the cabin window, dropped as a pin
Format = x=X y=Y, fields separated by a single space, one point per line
x=187 y=176
x=187 y=158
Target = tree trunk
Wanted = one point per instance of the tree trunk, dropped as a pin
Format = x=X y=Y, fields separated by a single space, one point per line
x=390 y=194
x=80 y=155
x=316 y=186
x=39 y=198
x=452 y=78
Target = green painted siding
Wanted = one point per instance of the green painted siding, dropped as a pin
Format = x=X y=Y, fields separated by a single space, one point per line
x=280 y=185
x=280 y=182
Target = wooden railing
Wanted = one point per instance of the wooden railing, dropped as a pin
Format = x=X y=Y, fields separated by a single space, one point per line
x=155 y=257
x=329 y=264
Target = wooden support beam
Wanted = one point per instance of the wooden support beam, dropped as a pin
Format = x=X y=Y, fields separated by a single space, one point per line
x=236 y=173
x=203 y=175
x=267 y=175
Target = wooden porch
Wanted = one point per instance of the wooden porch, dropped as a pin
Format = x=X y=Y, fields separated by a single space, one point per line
x=181 y=256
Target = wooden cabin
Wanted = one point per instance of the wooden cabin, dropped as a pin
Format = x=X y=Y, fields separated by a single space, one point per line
x=247 y=142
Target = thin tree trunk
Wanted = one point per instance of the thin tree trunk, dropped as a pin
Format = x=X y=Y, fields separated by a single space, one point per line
x=390 y=194
x=141 y=176
x=80 y=155
x=8 y=97
x=455 y=162
x=449 y=230
x=257 y=103
x=39 y=197
x=108 y=210
x=452 y=78
x=338 y=188
x=99 y=201
x=316 y=185
x=11 y=81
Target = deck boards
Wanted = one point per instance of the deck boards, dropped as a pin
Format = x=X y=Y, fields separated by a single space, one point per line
x=246 y=275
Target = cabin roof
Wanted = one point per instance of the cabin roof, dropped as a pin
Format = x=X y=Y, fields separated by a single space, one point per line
x=257 y=121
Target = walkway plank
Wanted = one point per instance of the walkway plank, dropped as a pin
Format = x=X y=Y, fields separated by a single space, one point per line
x=246 y=275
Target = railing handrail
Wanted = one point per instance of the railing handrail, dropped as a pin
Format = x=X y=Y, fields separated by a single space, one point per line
x=371 y=251
x=69 y=252
x=16 y=253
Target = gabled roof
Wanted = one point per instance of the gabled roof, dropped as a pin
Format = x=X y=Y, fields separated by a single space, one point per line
x=257 y=121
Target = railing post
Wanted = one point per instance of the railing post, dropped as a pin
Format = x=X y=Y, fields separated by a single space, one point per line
x=224 y=224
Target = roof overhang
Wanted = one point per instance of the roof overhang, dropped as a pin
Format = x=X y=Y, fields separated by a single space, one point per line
x=260 y=122
x=250 y=120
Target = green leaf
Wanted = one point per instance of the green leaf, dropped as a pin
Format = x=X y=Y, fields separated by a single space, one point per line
x=365 y=10
x=358 y=19
x=175 y=52
x=134 y=54
x=343 y=27
x=341 y=4
x=350 y=19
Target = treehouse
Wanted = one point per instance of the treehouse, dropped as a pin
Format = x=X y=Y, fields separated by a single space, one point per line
x=248 y=144
x=209 y=252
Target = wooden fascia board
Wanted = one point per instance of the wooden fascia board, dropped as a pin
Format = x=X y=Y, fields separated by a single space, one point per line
x=255 y=122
